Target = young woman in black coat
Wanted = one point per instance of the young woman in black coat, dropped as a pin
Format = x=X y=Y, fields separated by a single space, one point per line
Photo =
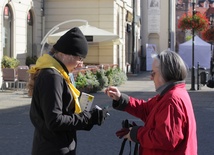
x=55 y=111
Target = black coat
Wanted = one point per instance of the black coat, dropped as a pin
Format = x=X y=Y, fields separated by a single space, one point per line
x=52 y=114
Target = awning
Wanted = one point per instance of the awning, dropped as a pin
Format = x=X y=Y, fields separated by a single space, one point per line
x=92 y=34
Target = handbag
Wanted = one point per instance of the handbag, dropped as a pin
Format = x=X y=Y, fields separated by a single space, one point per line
x=125 y=128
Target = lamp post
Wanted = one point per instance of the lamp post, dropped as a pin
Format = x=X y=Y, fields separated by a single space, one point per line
x=193 y=50
x=133 y=63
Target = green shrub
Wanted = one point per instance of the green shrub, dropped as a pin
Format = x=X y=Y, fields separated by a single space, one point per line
x=95 y=81
x=92 y=82
x=118 y=77
x=80 y=80
x=102 y=79
x=87 y=82
x=31 y=60
x=115 y=76
x=8 y=62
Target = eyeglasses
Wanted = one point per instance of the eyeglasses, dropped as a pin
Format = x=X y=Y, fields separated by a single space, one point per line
x=152 y=74
x=77 y=58
x=80 y=59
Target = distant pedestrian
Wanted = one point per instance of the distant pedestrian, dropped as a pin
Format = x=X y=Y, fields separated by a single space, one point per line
x=170 y=126
x=55 y=109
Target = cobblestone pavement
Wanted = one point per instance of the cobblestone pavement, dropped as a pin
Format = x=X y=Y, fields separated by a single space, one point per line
x=16 y=130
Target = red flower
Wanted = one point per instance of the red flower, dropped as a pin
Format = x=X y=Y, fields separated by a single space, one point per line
x=198 y=22
x=208 y=35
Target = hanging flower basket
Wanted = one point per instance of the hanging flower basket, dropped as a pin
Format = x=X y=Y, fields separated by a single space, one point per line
x=208 y=35
x=198 y=22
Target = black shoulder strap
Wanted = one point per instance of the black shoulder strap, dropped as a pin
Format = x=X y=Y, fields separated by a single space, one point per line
x=125 y=124
x=136 y=149
x=123 y=145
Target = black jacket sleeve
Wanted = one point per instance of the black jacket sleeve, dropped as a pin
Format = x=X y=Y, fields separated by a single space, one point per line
x=121 y=103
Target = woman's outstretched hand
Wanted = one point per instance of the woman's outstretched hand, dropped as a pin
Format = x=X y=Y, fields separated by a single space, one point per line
x=113 y=92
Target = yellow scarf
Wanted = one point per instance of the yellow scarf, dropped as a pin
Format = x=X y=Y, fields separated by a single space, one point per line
x=47 y=61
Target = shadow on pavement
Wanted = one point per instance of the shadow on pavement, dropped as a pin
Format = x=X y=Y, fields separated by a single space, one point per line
x=16 y=131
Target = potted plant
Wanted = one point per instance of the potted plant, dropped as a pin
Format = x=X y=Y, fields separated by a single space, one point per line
x=8 y=62
x=198 y=22
x=87 y=82
x=30 y=60
x=115 y=76
x=8 y=66
x=91 y=82
x=208 y=35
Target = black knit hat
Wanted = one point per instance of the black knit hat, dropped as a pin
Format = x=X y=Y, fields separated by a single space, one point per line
x=72 y=42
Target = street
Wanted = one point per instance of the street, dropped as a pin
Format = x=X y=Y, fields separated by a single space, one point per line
x=16 y=130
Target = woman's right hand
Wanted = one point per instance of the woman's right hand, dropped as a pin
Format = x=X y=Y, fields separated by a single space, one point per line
x=113 y=93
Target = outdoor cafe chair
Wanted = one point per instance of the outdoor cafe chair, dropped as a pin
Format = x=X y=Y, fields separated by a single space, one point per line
x=22 y=76
x=9 y=77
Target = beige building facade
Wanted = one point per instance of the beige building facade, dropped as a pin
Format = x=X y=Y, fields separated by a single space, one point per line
x=158 y=18
x=24 y=23
x=20 y=28
x=110 y=15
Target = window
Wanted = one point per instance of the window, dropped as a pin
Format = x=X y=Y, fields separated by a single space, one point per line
x=30 y=34
x=7 y=31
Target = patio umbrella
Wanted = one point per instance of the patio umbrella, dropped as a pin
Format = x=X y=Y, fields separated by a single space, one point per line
x=92 y=34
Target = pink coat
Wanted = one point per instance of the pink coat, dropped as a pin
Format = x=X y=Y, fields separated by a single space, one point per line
x=170 y=126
